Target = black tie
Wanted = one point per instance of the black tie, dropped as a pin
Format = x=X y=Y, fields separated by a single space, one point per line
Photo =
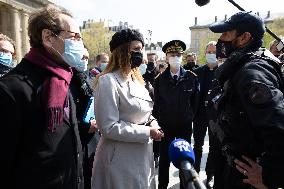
x=175 y=78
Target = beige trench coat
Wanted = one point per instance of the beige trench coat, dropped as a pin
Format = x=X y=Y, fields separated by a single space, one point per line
x=124 y=156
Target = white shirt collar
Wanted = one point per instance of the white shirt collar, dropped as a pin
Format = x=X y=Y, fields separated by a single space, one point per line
x=178 y=73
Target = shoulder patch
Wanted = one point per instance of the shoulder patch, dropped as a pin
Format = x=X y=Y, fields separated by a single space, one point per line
x=259 y=93
x=191 y=72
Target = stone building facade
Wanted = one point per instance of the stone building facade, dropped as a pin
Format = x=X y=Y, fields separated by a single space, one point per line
x=14 y=15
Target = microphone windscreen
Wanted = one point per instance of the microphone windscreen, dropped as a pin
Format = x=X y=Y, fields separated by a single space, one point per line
x=180 y=150
x=201 y=2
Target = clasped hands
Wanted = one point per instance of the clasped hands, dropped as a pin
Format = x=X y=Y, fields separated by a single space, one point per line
x=155 y=131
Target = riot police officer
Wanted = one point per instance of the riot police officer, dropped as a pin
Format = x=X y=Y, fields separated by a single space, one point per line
x=251 y=109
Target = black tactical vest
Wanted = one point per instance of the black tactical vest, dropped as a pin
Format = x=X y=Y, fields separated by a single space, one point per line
x=232 y=123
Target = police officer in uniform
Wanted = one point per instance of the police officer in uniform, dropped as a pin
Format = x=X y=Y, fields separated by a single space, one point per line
x=250 y=117
x=175 y=96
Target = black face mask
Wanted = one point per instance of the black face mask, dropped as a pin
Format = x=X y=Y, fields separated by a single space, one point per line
x=224 y=48
x=151 y=66
x=136 y=59
x=191 y=63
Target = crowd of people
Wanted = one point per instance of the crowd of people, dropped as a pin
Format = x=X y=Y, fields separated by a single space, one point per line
x=139 y=105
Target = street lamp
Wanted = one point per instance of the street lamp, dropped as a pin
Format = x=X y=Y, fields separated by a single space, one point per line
x=149 y=38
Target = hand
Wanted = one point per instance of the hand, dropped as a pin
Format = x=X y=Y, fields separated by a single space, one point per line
x=156 y=133
x=86 y=54
x=154 y=123
x=93 y=126
x=253 y=171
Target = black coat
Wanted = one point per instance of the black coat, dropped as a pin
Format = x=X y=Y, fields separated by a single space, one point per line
x=251 y=116
x=81 y=90
x=4 y=69
x=205 y=77
x=34 y=157
x=175 y=103
x=190 y=67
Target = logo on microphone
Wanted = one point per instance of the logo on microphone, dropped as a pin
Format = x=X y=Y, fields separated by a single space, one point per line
x=182 y=145
x=180 y=150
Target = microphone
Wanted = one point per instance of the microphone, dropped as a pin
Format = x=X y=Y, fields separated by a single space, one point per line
x=202 y=2
x=182 y=157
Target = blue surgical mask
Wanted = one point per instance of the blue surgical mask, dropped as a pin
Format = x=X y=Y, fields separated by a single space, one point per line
x=6 y=59
x=211 y=58
x=142 y=69
x=103 y=66
x=73 y=54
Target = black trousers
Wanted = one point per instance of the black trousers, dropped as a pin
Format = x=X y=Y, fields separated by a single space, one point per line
x=156 y=149
x=200 y=126
x=164 y=163
x=87 y=168
x=217 y=159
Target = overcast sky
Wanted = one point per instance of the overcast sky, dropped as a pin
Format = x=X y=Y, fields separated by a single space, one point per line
x=168 y=19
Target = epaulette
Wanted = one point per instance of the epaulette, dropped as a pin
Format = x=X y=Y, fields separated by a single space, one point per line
x=192 y=72
x=157 y=75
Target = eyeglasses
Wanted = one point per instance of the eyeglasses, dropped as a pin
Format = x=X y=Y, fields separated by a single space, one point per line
x=4 y=51
x=76 y=36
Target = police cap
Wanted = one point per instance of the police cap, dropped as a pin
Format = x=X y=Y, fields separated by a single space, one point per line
x=174 y=46
x=243 y=22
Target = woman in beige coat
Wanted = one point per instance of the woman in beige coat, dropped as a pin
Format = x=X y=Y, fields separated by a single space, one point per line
x=124 y=156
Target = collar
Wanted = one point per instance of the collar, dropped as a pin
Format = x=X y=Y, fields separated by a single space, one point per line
x=120 y=78
x=178 y=73
x=212 y=68
x=135 y=88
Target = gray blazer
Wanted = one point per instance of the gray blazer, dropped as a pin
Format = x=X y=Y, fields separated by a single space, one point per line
x=124 y=157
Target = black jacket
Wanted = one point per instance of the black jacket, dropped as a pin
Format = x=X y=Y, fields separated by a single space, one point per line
x=205 y=77
x=4 y=69
x=81 y=90
x=188 y=66
x=34 y=157
x=251 y=115
x=175 y=103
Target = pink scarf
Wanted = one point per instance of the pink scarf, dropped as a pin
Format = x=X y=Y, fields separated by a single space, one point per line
x=54 y=88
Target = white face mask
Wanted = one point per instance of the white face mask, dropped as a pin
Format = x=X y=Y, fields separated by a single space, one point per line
x=211 y=58
x=175 y=62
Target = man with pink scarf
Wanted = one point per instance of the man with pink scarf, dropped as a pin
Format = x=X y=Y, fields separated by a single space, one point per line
x=39 y=133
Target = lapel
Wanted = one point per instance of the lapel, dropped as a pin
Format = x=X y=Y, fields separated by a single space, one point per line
x=167 y=74
x=138 y=91
x=122 y=81
x=182 y=75
x=135 y=88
